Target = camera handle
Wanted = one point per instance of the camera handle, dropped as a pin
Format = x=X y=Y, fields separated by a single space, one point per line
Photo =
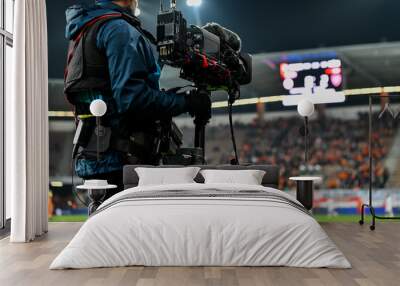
x=200 y=124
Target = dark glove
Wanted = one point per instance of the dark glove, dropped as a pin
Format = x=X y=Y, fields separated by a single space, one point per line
x=198 y=104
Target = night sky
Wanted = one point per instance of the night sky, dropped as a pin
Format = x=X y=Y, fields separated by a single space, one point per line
x=264 y=25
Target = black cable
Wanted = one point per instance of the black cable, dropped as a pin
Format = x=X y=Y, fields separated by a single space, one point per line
x=230 y=111
x=74 y=192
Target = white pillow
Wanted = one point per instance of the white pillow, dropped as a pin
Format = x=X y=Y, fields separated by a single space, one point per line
x=246 y=177
x=166 y=176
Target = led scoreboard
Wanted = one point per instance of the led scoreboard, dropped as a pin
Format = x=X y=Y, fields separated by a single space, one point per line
x=318 y=79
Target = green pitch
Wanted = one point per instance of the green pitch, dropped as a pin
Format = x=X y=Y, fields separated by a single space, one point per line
x=68 y=218
x=341 y=218
x=319 y=218
x=347 y=218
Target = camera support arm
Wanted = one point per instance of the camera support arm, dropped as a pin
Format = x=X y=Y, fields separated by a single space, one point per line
x=201 y=123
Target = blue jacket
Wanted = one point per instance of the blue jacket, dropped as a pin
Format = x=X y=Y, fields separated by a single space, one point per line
x=134 y=74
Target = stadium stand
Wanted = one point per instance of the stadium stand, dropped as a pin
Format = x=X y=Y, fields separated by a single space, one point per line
x=339 y=148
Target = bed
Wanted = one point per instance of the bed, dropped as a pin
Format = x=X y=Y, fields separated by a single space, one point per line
x=201 y=224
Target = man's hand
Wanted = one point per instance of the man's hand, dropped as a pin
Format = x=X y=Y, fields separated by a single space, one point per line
x=199 y=104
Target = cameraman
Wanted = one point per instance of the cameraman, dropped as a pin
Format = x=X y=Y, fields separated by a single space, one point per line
x=111 y=58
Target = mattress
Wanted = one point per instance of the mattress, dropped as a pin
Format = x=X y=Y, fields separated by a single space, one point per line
x=201 y=225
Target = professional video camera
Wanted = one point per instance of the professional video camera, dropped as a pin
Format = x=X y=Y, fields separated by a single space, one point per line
x=208 y=56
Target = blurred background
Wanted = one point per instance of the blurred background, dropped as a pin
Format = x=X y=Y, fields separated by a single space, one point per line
x=350 y=48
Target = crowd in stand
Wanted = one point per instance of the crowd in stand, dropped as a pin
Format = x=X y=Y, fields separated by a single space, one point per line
x=338 y=148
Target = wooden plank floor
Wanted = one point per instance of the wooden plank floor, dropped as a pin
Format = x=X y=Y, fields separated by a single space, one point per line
x=375 y=257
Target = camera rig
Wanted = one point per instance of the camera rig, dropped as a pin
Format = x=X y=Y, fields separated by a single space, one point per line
x=210 y=57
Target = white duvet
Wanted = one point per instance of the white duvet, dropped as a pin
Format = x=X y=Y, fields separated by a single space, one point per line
x=200 y=232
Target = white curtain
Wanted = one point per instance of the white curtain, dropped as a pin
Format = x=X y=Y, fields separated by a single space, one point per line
x=27 y=124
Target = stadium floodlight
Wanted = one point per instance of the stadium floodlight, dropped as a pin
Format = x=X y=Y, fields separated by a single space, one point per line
x=194 y=3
